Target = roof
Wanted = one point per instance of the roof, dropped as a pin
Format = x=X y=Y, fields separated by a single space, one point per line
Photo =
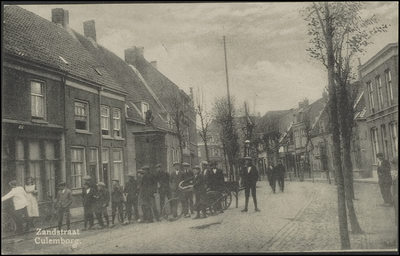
x=36 y=39
x=129 y=78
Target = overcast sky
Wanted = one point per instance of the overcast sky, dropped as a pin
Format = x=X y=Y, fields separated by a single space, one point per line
x=267 y=62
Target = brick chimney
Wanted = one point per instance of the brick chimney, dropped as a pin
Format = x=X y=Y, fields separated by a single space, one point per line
x=132 y=54
x=89 y=29
x=153 y=63
x=60 y=17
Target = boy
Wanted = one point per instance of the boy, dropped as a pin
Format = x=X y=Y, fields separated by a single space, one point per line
x=102 y=200
x=63 y=203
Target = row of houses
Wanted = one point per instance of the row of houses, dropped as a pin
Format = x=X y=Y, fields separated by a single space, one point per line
x=71 y=108
x=305 y=142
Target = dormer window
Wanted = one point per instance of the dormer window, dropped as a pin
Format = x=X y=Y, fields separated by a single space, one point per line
x=145 y=107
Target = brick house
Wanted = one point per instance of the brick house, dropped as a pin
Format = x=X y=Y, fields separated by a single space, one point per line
x=379 y=77
x=62 y=112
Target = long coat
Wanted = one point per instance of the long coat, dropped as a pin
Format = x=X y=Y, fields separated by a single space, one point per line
x=249 y=178
x=131 y=190
x=384 y=175
x=163 y=180
x=146 y=189
x=215 y=181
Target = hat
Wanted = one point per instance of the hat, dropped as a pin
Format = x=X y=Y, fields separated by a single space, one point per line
x=196 y=167
x=117 y=180
x=13 y=183
x=62 y=183
x=145 y=167
x=176 y=163
x=140 y=171
x=248 y=158
x=379 y=155
x=158 y=165
x=186 y=164
x=131 y=174
x=87 y=177
x=204 y=162
x=101 y=184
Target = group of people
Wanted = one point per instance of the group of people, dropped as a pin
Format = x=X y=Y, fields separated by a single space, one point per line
x=24 y=202
x=276 y=174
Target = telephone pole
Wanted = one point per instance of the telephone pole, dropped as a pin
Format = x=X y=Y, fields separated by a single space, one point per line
x=227 y=80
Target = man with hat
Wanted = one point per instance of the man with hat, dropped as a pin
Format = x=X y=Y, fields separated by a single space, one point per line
x=199 y=188
x=175 y=178
x=250 y=178
x=131 y=193
x=279 y=175
x=101 y=204
x=163 y=185
x=153 y=186
x=63 y=203
x=146 y=194
x=188 y=196
x=117 y=202
x=18 y=196
x=385 y=179
x=215 y=182
x=88 y=200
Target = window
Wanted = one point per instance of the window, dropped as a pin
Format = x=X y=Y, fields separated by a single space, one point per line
x=297 y=139
x=37 y=99
x=145 y=107
x=393 y=137
x=77 y=166
x=117 y=122
x=384 y=140
x=93 y=163
x=118 y=165
x=374 y=141
x=321 y=127
x=371 y=96
x=389 y=87
x=105 y=120
x=380 y=93
x=81 y=116
x=105 y=160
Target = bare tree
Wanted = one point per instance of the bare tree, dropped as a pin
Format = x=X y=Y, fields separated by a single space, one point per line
x=338 y=32
x=228 y=133
x=205 y=121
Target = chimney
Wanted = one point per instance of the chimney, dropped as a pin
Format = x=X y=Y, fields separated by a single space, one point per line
x=305 y=102
x=301 y=104
x=89 y=29
x=60 y=17
x=153 y=63
x=132 y=54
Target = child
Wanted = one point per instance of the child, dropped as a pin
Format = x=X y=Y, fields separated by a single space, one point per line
x=102 y=199
x=63 y=203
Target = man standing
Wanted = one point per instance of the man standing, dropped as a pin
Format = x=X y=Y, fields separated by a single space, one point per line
x=199 y=188
x=18 y=196
x=280 y=175
x=174 y=179
x=188 y=202
x=163 y=185
x=102 y=201
x=117 y=202
x=131 y=193
x=150 y=178
x=63 y=203
x=88 y=200
x=250 y=178
x=385 y=179
x=215 y=182
x=144 y=197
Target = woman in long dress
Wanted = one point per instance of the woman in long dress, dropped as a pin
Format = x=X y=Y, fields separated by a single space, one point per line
x=31 y=194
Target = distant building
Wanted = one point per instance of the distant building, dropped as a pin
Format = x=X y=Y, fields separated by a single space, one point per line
x=379 y=77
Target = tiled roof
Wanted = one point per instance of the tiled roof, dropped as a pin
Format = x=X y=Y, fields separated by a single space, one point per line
x=126 y=76
x=36 y=39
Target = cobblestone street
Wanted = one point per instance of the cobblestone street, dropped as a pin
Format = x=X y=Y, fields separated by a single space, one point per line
x=304 y=218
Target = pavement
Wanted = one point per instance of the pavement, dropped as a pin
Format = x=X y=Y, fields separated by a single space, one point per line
x=302 y=219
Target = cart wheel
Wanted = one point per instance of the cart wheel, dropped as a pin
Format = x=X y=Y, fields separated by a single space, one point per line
x=168 y=210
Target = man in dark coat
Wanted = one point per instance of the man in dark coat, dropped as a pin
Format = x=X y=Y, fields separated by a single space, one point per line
x=63 y=203
x=215 y=182
x=175 y=178
x=250 y=178
x=102 y=201
x=131 y=192
x=279 y=173
x=199 y=189
x=385 y=179
x=88 y=200
x=271 y=176
x=188 y=201
x=150 y=190
x=163 y=185
x=117 y=202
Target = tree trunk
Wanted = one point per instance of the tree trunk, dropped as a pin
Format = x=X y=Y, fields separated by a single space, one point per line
x=343 y=227
x=345 y=128
x=206 y=148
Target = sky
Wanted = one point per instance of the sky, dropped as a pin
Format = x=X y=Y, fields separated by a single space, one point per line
x=266 y=43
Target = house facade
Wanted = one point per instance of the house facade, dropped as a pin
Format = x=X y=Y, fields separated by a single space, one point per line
x=379 y=77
